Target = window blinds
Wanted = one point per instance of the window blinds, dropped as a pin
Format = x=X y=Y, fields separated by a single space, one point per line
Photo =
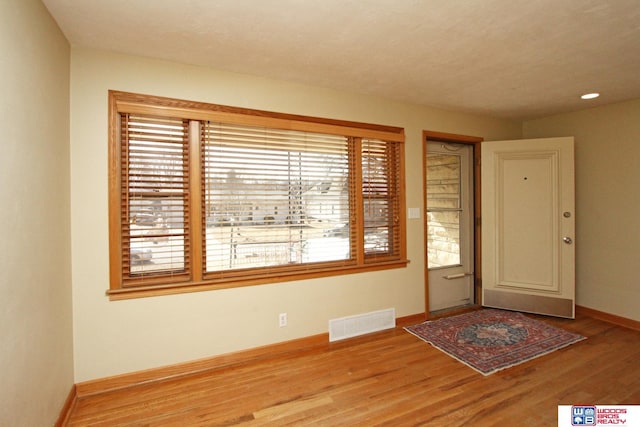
x=154 y=189
x=274 y=197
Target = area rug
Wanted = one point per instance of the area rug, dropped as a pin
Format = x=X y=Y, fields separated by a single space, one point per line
x=489 y=340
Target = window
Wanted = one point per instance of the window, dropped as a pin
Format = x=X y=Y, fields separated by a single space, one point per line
x=204 y=196
x=444 y=208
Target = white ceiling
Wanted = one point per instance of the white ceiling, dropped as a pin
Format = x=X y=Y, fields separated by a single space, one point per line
x=517 y=59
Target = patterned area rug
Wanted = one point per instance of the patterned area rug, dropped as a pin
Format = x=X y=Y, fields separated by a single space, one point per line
x=489 y=340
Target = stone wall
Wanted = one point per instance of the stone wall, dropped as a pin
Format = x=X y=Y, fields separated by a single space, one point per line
x=443 y=225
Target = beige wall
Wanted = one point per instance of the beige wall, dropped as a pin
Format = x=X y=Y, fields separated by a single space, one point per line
x=36 y=347
x=124 y=336
x=607 y=203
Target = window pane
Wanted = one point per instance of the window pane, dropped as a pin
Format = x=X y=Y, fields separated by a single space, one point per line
x=443 y=238
x=443 y=181
x=154 y=185
x=443 y=209
x=380 y=197
x=274 y=197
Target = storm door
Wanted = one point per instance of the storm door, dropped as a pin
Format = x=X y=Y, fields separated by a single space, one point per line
x=449 y=224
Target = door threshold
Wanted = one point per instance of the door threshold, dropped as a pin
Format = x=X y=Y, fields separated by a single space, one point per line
x=447 y=312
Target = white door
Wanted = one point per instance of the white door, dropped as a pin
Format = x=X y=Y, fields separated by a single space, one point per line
x=528 y=226
x=449 y=222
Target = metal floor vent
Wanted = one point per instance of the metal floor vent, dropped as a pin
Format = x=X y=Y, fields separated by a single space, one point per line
x=360 y=324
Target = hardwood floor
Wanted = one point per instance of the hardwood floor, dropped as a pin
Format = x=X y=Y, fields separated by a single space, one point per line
x=388 y=378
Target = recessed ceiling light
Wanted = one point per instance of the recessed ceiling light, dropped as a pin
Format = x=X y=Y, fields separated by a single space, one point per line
x=590 y=95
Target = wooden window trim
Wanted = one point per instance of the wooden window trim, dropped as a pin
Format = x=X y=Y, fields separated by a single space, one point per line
x=123 y=102
x=161 y=106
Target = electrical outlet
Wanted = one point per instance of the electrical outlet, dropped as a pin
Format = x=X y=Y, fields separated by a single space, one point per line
x=282 y=319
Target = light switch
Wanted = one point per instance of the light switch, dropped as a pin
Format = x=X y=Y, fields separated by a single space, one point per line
x=414 y=213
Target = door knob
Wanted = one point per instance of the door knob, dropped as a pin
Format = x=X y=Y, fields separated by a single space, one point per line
x=567 y=240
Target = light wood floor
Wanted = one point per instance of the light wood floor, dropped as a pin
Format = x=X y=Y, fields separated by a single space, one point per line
x=389 y=378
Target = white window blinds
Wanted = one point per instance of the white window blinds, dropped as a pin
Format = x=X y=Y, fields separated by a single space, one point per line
x=274 y=197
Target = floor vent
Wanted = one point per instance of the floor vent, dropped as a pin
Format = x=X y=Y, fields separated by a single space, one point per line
x=360 y=324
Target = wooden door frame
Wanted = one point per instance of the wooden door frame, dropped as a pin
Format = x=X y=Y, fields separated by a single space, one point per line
x=474 y=141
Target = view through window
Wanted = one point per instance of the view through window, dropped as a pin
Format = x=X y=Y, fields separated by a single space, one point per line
x=444 y=207
x=275 y=197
